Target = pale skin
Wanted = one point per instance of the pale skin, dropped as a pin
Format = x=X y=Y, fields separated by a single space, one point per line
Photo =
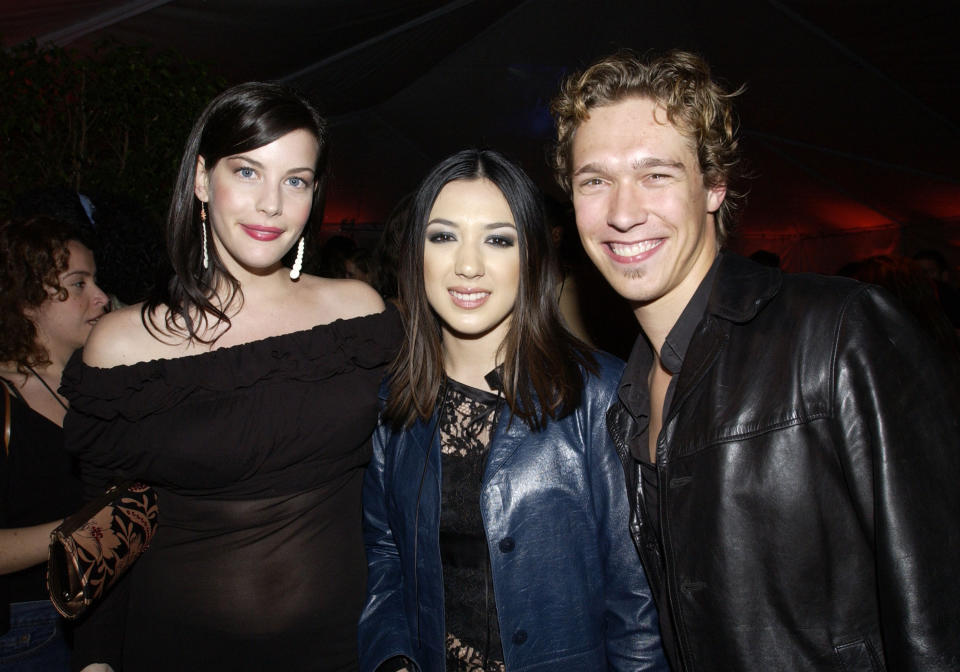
x=266 y=189
x=258 y=203
x=646 y=219
x=62 y=327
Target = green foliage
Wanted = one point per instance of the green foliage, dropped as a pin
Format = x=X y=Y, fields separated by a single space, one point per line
x=113 y=120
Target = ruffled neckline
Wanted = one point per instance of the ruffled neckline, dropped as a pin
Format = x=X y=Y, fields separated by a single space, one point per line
x=136 y=390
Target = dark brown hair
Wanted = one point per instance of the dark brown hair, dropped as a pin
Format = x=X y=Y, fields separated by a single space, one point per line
x=695 y=104
x=33 y=254
x=543 y=364
x=242 y=118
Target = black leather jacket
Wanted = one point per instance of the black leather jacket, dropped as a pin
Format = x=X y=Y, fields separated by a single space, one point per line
x=809 y=491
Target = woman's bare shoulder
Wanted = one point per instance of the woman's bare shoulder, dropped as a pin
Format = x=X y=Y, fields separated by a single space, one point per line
x=120 y=337
x=358 y=298
x=343 y=299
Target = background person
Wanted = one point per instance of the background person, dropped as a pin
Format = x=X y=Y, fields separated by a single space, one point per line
x=49 y=302
x=495 y=520
x=245 y=394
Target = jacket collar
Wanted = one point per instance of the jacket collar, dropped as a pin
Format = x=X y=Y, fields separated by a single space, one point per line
x=508 y=435
x=742 y=288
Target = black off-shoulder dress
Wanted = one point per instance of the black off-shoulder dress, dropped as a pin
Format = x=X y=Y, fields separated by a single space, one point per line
x=257 y=452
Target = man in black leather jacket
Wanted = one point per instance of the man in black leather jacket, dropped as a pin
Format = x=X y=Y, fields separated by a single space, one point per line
x=791 y=442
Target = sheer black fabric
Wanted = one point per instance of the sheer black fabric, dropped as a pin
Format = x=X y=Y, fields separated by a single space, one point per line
x=467 y=419
x=257 y=452
x=277 y=580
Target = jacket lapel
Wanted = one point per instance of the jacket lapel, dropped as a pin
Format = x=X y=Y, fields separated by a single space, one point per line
x=741 y=290
x=426 y=439
x=507 y=437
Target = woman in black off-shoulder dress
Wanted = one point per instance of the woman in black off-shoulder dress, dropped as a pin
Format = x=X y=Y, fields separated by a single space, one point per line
x=246 y=395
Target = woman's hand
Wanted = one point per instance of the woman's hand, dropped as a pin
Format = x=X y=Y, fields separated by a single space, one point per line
x=22 y=547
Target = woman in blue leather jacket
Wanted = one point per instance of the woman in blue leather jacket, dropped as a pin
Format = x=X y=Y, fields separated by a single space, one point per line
x=494 y=515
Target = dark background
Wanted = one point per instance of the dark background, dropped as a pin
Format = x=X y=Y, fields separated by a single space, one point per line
x=850 y=119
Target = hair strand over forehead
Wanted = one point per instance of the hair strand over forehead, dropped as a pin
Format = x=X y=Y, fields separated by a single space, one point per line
x=542 y=362
x=242 y=118
x=681 y=83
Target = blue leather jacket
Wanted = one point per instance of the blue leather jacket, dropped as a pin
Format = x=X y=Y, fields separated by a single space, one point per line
x=569 y=587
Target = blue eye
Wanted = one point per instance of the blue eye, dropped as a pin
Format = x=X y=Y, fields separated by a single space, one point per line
x=298 y=182
x=246 y=172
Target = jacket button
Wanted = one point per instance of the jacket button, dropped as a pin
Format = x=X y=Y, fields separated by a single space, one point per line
x=519 y=637
x=506 y=545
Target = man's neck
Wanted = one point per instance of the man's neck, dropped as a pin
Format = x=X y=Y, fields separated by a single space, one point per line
x=657 y=318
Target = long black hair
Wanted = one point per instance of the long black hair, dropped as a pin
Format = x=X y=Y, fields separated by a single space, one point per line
x=542 y=362
x=240 y=119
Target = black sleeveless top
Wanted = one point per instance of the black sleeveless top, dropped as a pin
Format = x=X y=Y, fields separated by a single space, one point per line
x=37 y=484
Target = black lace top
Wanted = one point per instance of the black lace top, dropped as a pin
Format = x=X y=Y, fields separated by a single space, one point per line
x=466 y=424
x=257 y=452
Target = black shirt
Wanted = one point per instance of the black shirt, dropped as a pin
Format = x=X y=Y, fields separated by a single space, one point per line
x=634 y=390
x=37 y=484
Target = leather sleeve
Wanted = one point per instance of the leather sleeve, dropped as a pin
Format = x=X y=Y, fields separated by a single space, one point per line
x=632 y=631
x=383 y=629
x=899 y=413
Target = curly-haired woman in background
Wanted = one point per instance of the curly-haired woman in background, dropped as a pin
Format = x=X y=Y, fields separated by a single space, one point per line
x=49 y=302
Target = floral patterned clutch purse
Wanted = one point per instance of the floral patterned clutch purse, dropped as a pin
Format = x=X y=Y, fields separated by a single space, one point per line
x=93 y=548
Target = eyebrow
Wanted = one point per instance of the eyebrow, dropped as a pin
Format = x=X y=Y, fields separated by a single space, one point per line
x=642 y=164
x=257 y=164
x=491 y=225
x=86 y=274
x=652 y=162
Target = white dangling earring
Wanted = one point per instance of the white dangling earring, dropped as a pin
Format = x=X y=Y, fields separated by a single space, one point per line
x=298 y=262
x=203 y=233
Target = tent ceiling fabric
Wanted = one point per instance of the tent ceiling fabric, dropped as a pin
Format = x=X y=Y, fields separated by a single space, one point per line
x=850 y=119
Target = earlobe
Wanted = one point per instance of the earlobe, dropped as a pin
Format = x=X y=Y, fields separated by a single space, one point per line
x=715 y=196
x=201 y=181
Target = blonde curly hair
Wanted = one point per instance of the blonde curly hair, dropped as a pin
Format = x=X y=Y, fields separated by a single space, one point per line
x=695 y=104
